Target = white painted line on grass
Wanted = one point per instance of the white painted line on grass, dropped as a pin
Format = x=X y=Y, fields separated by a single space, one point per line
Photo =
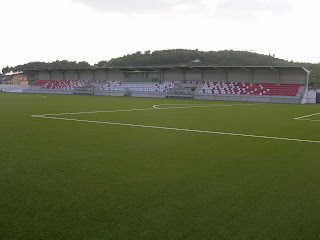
x=154 y=107
x=16 y=97
x=175 y=129
x=311 y=120
x=112 y=111
x=200 y=106
x=304 y=117
x=157 y=107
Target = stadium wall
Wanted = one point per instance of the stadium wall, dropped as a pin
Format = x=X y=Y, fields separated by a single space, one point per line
x=245 y=98
x=69 y=74
x=115 y=75
x=293 y=77
x=220 y=76
x=83 y=75
x=310 y=97
x=43 y=75
x=101 y=75
x=173 y=75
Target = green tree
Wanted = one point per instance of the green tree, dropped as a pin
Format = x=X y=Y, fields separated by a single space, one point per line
x=5 y=70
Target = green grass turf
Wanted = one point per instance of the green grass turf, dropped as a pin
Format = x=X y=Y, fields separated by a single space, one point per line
x=77 y=180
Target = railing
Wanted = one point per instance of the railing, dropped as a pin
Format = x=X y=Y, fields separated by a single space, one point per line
x=86 y=89
x=13 y=88
x=140 y=80
x=179 y=91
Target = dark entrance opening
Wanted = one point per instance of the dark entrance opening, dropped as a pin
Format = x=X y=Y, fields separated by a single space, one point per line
x=318 y=98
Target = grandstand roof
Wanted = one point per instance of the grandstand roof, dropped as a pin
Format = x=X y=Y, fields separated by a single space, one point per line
x=179 y=68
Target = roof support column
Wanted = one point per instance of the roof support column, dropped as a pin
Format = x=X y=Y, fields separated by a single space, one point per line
x=227 y=75
x=63 y=75
x=107 y=75
x=161 y=76
x=278 y=75
x=78 y=74
x=252 y=77
x=50 y=76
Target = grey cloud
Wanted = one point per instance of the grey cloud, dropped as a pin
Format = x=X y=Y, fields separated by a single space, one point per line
x=137 y=6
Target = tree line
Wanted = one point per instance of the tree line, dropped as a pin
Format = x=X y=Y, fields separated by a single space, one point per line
x=64 y=64
x=187 y=57
x=182 y=57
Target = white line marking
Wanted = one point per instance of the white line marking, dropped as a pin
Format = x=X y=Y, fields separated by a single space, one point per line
x=303 y=117
x=112 y=111
x=310 y=120
x=16 y=97
x=155 y=107
x=179 y=129
x=196 y=105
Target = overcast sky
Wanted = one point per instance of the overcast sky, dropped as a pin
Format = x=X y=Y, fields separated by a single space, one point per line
x=95 y=30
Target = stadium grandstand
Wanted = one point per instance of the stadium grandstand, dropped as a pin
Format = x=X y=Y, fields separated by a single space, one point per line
x=239 y=83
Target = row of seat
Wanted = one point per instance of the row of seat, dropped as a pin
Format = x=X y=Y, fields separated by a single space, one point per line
x=45 y=83
x=39 y=83
x=64 y=85
x=205 y=87
x=251 y=89
x=138 y=87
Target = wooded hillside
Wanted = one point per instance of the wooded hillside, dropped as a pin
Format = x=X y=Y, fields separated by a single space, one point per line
x=175 y=57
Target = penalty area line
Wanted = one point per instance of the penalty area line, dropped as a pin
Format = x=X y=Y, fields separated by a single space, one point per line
x=154 y=107
x=179 y=129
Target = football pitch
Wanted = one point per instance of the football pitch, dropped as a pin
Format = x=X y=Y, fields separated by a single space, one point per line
x=91 y=167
